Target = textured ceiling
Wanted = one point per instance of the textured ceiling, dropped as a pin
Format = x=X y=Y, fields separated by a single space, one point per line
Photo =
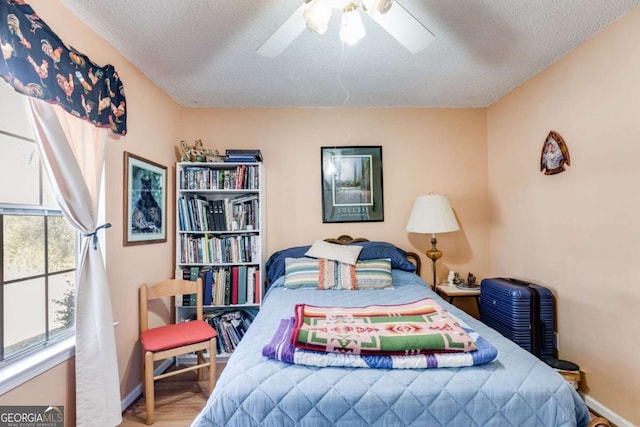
x=203 y=52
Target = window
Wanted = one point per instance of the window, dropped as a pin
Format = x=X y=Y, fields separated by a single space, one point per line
x=38 y=247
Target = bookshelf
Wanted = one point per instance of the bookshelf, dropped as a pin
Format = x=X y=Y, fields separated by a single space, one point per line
x=220 y=217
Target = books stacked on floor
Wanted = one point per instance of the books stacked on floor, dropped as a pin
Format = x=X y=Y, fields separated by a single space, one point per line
x=229 y=285
x=243 y=155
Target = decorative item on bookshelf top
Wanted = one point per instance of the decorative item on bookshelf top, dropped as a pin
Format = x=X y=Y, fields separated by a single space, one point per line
x=243 y=155
x=197 y=153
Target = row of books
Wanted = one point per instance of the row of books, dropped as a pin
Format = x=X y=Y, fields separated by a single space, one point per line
x=242 y=177
x=233 y=285
x=196 y=213
x=209 y=249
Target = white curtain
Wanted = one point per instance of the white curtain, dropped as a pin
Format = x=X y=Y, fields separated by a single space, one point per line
x=73 y=154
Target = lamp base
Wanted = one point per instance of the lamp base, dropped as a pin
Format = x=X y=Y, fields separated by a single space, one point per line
x=434 y=254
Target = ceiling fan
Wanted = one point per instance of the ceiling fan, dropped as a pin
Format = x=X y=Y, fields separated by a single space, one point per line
x=315 y=14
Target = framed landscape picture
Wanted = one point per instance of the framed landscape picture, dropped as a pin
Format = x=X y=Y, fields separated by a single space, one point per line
x=145 y=201
x=352 y=184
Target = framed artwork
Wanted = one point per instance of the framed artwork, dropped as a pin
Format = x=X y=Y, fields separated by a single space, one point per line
x=145 y=201
x=352 y=184
x=554 y=155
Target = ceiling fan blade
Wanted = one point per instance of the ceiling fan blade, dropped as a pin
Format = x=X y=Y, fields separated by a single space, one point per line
x=285 y=34
x=405 y=28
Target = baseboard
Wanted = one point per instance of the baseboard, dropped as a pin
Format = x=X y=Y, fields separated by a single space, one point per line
x=137 y=390
x=607 y=413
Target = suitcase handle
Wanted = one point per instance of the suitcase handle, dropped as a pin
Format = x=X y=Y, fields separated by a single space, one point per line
x=519 y=282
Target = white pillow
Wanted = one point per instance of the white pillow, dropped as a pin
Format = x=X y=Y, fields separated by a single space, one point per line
x=347 y=254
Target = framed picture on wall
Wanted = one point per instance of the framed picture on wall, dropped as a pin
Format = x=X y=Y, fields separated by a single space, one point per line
x=352 y=184
x=145 y=201
x=554 y=155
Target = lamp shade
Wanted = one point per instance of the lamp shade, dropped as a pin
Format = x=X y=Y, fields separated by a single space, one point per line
x=432 y=214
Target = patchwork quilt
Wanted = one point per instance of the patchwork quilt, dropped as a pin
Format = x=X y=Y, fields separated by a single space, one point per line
x=515 y=389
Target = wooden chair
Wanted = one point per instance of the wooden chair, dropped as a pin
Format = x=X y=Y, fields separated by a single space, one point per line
x=174 y=339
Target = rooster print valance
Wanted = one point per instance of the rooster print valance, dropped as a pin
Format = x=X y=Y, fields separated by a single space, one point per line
x=37 y=63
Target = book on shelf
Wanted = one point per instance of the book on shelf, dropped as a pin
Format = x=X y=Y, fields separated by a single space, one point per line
x=191 y=273
x=251 y=284
x=218 y=220
x=234 y=285
x=210 y=215
x=207 y=283
x=242 y=284
x=255 y=285
x=252 y=155
x=227 y=278
x=241 y=159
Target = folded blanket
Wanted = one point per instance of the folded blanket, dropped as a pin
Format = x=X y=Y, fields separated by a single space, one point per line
x=414 y=328
x=281 y=348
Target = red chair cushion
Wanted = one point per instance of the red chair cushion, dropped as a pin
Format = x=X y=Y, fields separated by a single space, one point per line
x=179 y=334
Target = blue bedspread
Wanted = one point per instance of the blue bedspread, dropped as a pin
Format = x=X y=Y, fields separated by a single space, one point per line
x=516 y=389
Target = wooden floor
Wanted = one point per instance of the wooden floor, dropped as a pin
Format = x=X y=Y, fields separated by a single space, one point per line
x=180 y=398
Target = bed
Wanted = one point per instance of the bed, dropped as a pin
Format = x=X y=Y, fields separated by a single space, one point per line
x=515 y=389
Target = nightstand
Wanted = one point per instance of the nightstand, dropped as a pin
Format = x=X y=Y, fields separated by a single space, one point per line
x=452 y=291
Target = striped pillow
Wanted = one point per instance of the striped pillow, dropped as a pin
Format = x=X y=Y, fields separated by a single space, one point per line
x=374 y=274
x=301 y=273
x=326 y=274
x=336 y=275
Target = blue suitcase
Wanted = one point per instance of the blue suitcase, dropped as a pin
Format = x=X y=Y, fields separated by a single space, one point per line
x=522 y=312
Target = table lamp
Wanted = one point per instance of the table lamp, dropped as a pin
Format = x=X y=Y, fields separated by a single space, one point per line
x=432 y=214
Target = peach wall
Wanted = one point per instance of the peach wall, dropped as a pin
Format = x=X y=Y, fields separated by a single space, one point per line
x=424 y=150
x=577 y=232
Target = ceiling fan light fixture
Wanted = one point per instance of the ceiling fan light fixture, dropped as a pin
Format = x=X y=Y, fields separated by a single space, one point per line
x=373 y=7
x=317 y=15
x=351 y=28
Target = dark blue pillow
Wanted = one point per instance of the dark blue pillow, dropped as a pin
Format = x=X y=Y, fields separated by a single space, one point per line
x=378 y=250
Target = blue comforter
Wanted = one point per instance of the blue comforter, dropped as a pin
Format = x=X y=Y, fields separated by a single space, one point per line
x=515 y=389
